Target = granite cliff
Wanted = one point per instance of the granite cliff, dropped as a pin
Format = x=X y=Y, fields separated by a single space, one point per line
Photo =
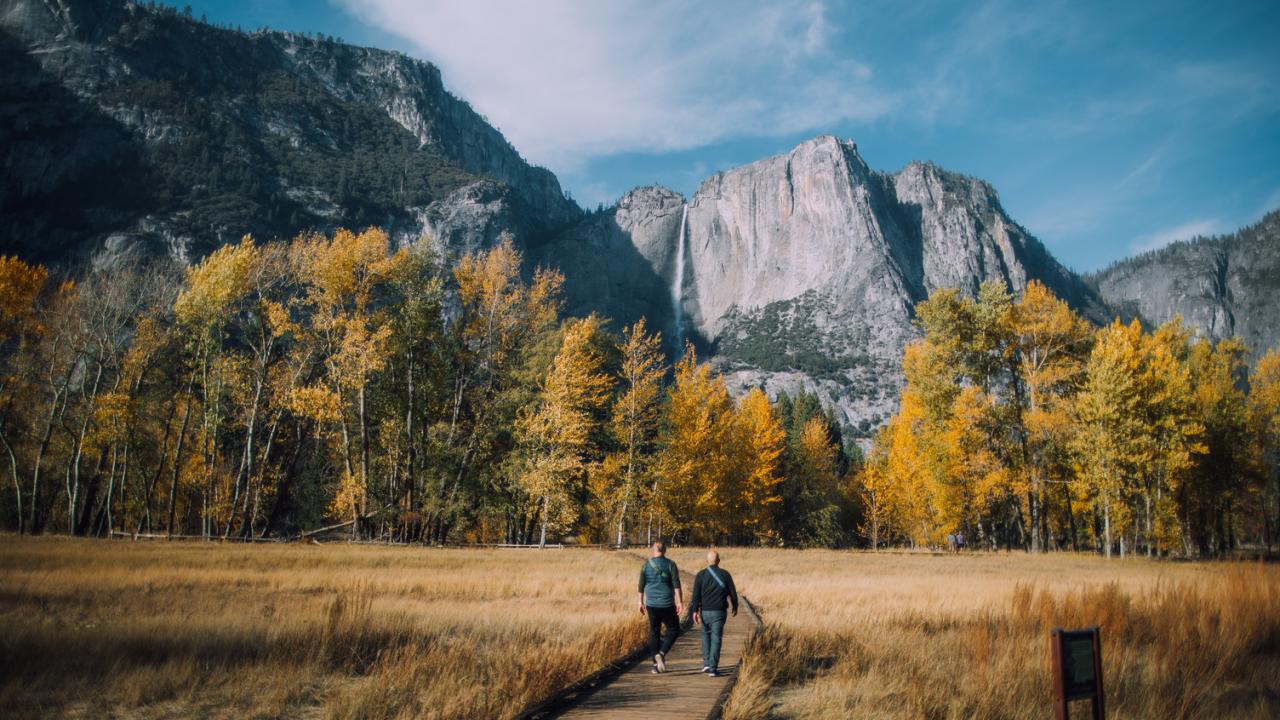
x=1221 y=286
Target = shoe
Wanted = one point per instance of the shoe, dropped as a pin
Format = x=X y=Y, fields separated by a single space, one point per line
x=654 y=670
x=706 y=668
x=660 y=662
x=712 y=673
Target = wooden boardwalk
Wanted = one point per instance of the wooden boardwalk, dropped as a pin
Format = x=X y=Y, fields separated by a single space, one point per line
x=683 y=691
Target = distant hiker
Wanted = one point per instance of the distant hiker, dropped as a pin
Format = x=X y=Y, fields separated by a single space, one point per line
x=662 y=600
x=713 y=590
x=951 y=542
x=959 y=542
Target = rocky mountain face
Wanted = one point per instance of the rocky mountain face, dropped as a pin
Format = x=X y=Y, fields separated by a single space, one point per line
x=1221 y=286
x=802 y=270
x=128 y=127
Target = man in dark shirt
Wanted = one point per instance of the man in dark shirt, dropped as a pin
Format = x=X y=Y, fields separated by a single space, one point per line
x=713 y=591
x=663 y=601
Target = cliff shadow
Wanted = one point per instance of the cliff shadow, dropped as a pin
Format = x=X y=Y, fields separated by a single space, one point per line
x=71 y=172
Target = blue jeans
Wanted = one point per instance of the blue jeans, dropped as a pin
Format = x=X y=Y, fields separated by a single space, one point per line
x=712 y=633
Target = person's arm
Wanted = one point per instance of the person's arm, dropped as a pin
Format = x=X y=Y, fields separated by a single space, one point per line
x=733 y=595
x=695 y=598
x=676 y=589
x=640 y=590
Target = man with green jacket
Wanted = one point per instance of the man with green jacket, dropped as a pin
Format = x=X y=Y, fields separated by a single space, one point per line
x=661 y=599
x=713 y=591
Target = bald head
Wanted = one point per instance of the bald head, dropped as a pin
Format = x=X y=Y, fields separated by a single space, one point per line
x=713 y=557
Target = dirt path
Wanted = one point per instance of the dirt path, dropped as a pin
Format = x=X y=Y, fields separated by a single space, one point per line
x=683 y=691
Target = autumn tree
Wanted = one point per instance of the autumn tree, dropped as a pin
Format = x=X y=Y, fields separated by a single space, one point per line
x=1264 y=421
x=341 y=276
x=501 y=319
x=627 y=472
x=762 y=444
x=20 y=286
x=1220 y=479
x=557 y=433
x=697 y=459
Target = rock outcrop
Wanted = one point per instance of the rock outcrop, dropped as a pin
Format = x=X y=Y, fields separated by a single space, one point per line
x=128 y=125
x=1221 y=286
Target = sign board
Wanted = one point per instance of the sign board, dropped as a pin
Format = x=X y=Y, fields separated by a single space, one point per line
x=1077 y=669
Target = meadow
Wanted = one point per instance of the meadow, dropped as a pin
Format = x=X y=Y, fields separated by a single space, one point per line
x=98 y=629
x=924 y=635
x=182 y=630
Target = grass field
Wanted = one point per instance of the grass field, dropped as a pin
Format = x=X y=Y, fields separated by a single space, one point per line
x=907 y=635
x=154 y=630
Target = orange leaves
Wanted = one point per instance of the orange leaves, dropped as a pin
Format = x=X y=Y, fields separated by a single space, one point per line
x=216 y=284
x=343 y=269
x=762 y=444
x=498 y=309
x=558 y=432
x=20 y=284
x=318 y=403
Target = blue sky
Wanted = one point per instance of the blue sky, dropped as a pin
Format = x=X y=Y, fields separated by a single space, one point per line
x=1107 y=128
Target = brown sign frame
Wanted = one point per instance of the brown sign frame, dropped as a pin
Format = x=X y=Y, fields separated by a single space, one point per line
x=1077 y=670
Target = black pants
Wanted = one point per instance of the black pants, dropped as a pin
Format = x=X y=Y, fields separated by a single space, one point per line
x=657 y=618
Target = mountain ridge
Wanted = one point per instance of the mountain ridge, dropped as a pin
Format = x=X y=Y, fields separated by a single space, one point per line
x=135 y=130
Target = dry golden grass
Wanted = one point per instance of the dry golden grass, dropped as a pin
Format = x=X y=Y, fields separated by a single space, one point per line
x=156 y=630
x=905 y=635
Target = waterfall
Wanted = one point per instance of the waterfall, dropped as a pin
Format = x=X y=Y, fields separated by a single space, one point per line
x=677 y=282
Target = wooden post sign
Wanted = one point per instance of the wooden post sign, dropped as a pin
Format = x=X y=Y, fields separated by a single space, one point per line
x=1077 y=670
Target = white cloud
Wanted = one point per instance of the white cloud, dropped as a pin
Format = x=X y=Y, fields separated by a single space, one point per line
x=568 y=80
x=1185 y=231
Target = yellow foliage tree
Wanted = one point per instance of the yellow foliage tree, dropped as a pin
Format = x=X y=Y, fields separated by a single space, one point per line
x=762 y=445
x=1110 y=441
x=20 y=284
x=697 y=460
x=558 y=433
x=634 y=422
x=340 y=276
x=1264 y=420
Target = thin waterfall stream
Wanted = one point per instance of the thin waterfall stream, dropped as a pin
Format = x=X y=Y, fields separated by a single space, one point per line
x=677 y=282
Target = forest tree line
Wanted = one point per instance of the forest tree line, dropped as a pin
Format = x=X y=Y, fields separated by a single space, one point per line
x=1023 y=425
x=410 y=396
x=276 y=388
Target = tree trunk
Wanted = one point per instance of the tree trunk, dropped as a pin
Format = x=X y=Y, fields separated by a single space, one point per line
x=1106 y=524
x=177 y=465
x=17 y=485
x=542 y=541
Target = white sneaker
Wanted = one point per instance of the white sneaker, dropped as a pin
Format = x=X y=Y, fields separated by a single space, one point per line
x=661 y=662
x=706 y=668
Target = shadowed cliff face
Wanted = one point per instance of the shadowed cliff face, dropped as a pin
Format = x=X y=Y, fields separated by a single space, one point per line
x=1221 y=286
x=231 y=133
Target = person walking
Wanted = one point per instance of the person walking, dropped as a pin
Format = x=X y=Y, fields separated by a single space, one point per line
x=662 y=600
x=713 y=592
